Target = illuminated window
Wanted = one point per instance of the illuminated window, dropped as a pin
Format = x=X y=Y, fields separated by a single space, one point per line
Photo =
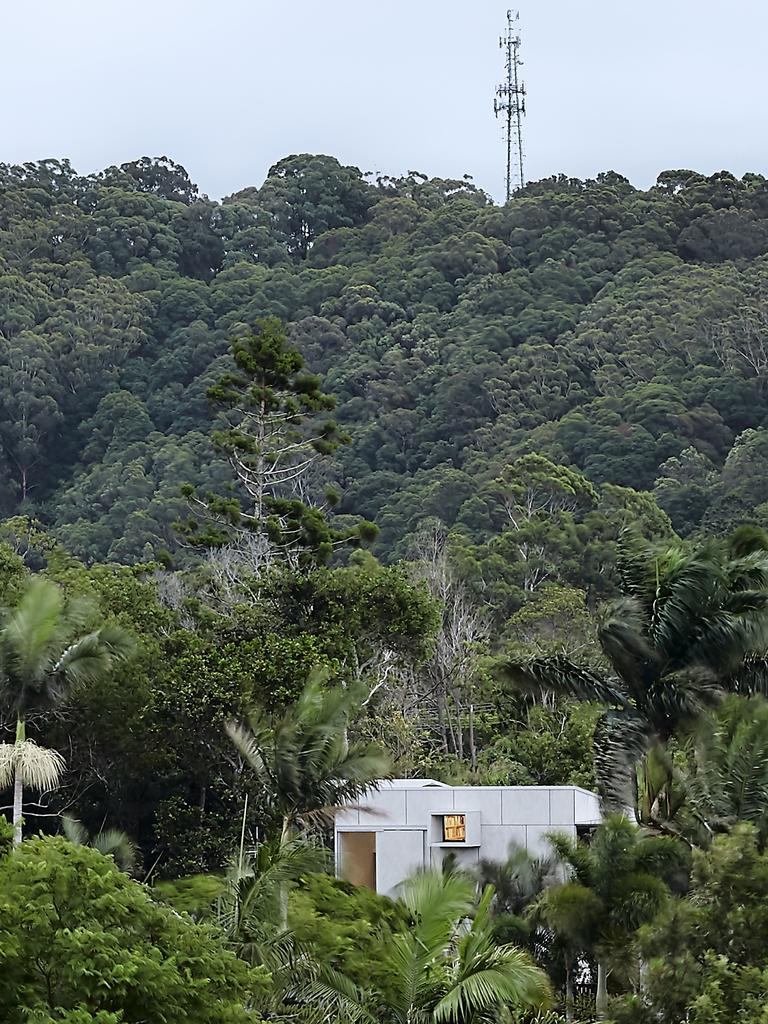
x=454 y=828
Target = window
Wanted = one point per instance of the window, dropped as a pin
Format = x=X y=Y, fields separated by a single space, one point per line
x=454 y=828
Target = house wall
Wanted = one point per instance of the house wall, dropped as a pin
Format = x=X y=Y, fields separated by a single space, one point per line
x=408 y=823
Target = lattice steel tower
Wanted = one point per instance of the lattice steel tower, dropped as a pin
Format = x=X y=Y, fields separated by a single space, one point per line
x=509 y=101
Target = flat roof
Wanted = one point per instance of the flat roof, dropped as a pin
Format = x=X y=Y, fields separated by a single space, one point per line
x=384 y=784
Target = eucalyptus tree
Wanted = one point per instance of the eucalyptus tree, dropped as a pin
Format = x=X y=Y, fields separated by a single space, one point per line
x=48 y=647
x=688 y=624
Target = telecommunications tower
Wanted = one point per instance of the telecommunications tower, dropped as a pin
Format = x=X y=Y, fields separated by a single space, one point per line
x=509 y=101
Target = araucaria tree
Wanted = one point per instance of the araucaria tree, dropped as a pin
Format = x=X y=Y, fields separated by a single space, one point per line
x=274 y=432
x=48 y=646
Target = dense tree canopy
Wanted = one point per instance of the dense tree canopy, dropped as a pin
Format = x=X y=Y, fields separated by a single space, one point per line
x=618 y=334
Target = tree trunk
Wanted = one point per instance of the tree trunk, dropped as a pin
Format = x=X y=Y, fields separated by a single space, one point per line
x=569 y=1000
x=601 y=999
x=472 y=747
x=285 y=835
x=18 y=796
x=18 y=786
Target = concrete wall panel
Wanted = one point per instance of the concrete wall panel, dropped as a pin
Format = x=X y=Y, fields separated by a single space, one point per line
x=421 y=803
x=562 y=806
x=536 y=837
x=399 y=852
x=348 y=816
x=485 y=800
x=587 y=808
x=497 y=839
x=525 y=806
x=383 y=809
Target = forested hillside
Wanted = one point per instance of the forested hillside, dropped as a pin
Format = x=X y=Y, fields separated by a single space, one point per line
x=531 y=374
x=207 y=410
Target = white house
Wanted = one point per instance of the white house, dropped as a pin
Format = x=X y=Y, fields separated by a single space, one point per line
x=407 y=824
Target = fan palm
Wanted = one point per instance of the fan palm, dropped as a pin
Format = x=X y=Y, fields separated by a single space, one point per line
x=685 y=627
x=448 y=966
x=617 y=883
x=110 y=842
x=46 y=649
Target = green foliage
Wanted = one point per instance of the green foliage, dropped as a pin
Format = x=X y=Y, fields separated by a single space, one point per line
x=706 y=952
x=545 y=746
x=349 y=928
x=302 y=762
x=611 y=332
x=689 y=624
x=444 y=973
x=82 y=942
x=619 y=881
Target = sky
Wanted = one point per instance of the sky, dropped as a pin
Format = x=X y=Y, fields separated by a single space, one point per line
x=228 y=87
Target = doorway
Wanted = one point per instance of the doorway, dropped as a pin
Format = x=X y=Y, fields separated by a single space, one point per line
x=358 y=858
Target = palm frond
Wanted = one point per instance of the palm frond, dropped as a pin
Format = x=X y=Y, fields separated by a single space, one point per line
x=33 y=629
x=509 y=979
x=303 y=762
x=118 y=642
x=113 y=842
x=250 y=745
x=558 y=674
x=436 y=900
x=750 y=677
x=74 y=830
x=39 y=768
x=621 y=637
x=621 y=739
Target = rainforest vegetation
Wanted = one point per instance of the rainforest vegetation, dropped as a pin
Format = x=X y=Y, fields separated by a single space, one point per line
x=347 y=476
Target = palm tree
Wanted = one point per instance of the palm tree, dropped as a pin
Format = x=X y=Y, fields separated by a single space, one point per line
x=23 y=764
x=248 y=909
x=110 y=842
x=246 y=906
x=517 y=882
x=46 y=650
x=618 y=881
x=720 y=776
x=568 y=915
x=448 y=966
x=304 y=765
x=687 y=625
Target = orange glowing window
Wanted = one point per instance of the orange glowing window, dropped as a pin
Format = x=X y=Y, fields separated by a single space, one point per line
x=454 y=828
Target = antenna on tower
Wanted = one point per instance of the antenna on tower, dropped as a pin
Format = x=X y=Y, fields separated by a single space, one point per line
x=509 y=101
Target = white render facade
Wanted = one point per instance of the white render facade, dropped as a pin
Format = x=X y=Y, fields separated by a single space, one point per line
x=408 y=824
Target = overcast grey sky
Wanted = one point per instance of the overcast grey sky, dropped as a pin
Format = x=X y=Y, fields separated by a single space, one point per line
x=227 y=87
